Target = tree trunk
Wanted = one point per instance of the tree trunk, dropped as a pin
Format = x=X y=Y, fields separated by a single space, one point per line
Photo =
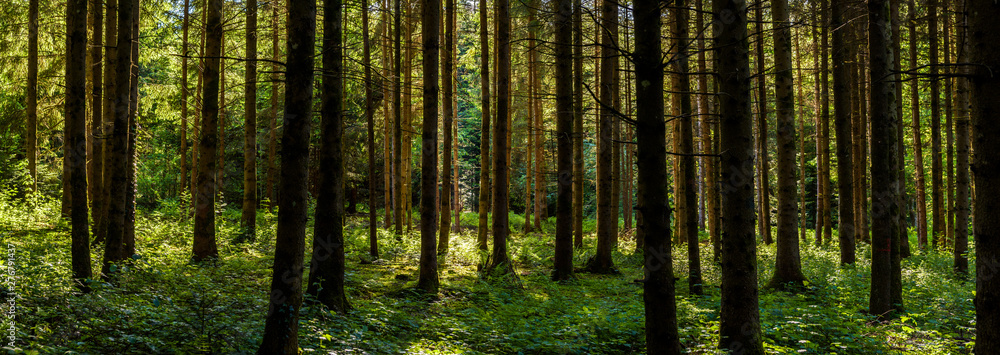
x=739 y=325
x=681 y=84
x=431 y=28
x=370 y=119
x=447 y=77
x=824 y=139
x=32 y=94
x=983 y=29
x=76 y=137
x=918 y=151
x=602 y=262
x=563 y=258
x=100 y=211
x=937 y=197
x=272 y=141
x=326 y=272
x=904 y=244
x=788 y=264
x=763 y=167
x=842 y=122
x=397 y=134
x=578 y=172
x=282 y=323
x=128 y=240
x=708 y=123
x=204 y=215
x=963 y=109
x=949 y=89
x=114 y=249
x=885 y=164
x=95 y=149
x=248 y=219
x=484 y=145
x=654 y=209
x=500 y=260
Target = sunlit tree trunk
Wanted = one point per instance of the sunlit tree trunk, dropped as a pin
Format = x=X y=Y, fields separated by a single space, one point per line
x=500 y=260
x=918 y=151
x=248 y=218
x=763 y=167
x=31 y=110
x=114 y=249
x=431 y=28
x=76 y=137
x=962 y=104
x=447 y=76
x=680 y=85
x=484 y=145
x=842 y=122
x=823 y=139
x=602 y=262
x=204 y=215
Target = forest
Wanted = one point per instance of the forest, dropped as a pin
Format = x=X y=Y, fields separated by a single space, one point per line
x=500 y=177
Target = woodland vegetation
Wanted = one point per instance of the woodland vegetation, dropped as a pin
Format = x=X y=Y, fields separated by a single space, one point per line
x=560 y=176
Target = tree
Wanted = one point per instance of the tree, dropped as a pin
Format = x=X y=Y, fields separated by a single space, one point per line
x=842 y=123
x=563 y=259
x=499 y=260
x=431 y=28
x=448 y=69
x=484 y=145
x=95 y=149
x=76 y=137
x=658 y=289
x=763 y=167
x=708 y=162
x=823 y=135
x=326 y=269
x=787 y=265
x=397 y=162
x=272 y=141
x=114 y=250
x=961 y=229
x=885 y=164
x=578 y=176
x=282 y=323
x=601 y=262
x=248 y=218
x=739 y=324
x=985 y=87
x=370 y=118
x=681 y=84
x=937 y=197
x=918 y=151
x=204 y=212
x=100 y=212
x=185 y=25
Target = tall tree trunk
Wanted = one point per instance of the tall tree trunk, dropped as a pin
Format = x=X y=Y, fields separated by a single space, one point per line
x=904 y=244
x=563 y=258
x=128 y=240
x=484 y=145
x=200 y=104
x=653 y=205
x=448 y=69
x=918 y=151
x=204 y=215
x=739 y=325
x=885 y=164
x=708 y=123
x=529 y=127
x=788 y=264
x=602 y=262
x=763 y=167
x=248 y=218
x=431 y=28
x=32 y=94
x=114 y=249
x=272 y=141
x=500 y=260
x=370 y=119
x=949 y=208
x=842 y=122
x=182 y=186
x=578 y=172
x=100 y=211
x=326 y=269
x=282 y=323
x=961 y=226
x=983 y=29
x=387 y=118
x=397 y=113
x=76 y=137
x=824 y=139
x=539 y=133
x=937 y=197
x=681 y=84
x=95 y=149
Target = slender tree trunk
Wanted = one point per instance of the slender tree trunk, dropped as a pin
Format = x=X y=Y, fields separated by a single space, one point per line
x=326 y=272
x=248 y=219
x=963 y=109
x=76 y=137
x=182 y=186
x=681 y=84
x=788 y=264
x=708 y=162
x=654 y=210
x=739 y=324
x=431 y=28
x=842 y=121
x=387 y=118
x=563 y=258
x=448 y=69
x=937 y=197
x=539 y=136
x=370 y=119
x=904 y=244
x=602 y=262
x=204 y=215
x=272 y=141
x=95 y=149
x=282 y=323
x=800 y=96
x=100 y=212
x=824 y=140
x=200 y=104
x=32 y=94
x=578 y=172
x=114 y=249
x=128 y=240
x=529 y=127
x=918 y=151
x=763 y=167
x=885 y=163
x=949 y=89
x=985 y=88
x=220 y=154
x=484 y=145
x=397 y=134
x=499 y=259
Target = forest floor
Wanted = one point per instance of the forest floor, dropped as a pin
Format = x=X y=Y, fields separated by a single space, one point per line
x=165 y=304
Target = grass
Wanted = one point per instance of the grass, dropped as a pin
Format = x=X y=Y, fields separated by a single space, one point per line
x=164 y=304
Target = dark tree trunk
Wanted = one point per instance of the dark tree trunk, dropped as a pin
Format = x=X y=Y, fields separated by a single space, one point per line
x=653 y=205
x=76 y=137
x=370 y=119
x=578 y=172
x=937 y=198
x=499 y=259
x=681 y=83
x=606 y=220
x=708 y=125
x=114 y=250
x=788 y=265
x=563 y=263
x=32 y=94
x=282 y=324
x=204 y=212
x=100 y=212
x=272 y=141
x=397 y=135
x=95 y=149
x=447 y=80
x=431 y=28
x=824 y=140
x=985 y=88
x=961 y=229
x=739 y=326
x=842 y=121
x=918 y=151
x=763 y=167
x=182 y=184
x=248 y=217
x=484 y=145
x=885 y=164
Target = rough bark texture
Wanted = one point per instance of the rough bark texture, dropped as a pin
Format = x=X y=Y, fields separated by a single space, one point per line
x=578 y=174
x=500 y=260
x=842 y=123
x=484 y=145
x=272 y=139
x=707 y=127
x=788 y=264
x=282 y=323
x=32 y=94
x=937 y=197
x=563 y=258
x=985 y=88
x=961 y=229
x=370 y=119
x=397 y=113
x=739 y=323
x=606 y=220
x=326 y=269
x=204 y=211
x=654 y=209
x=885 y=164
x=447 y=80
x=95 y=139
x=824 y=139
x=431 y=28
x=182 y=184
x=918 y=151
x=681 y=83
x=248 y=218
x=114 y=249
x=76 y=137
x=763 y=167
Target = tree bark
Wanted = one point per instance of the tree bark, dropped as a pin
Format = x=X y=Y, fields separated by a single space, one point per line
x=448 y=69
x=248 y=218
x=937 y=197
x=76 y=137
x=563 y=258
x=499 y=259
x=114 y=250
x=681 y=85
x=602 y=262
x=963 y=109
x=204 y=215
x=918 y=151
x=763 y=167
x=282 y=323
x=788 y=264
x=708 y=125
x=431 y=28
x=578 y=172
x=824 y=139
x=397 y=163
x=272 y=141
x=484 y=145
x=370 y=119
x=842 y=121
x=32 y=94
x=95 y=149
